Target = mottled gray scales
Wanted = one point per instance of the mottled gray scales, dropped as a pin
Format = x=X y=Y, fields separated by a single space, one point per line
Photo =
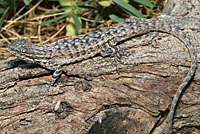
x=73 y=49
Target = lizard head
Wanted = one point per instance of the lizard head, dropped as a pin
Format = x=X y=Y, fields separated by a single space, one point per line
x=24 y=50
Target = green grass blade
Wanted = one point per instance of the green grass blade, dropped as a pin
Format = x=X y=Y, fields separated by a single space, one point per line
x=97 y=18
x=116 y=18
x=129 y=8
x=83 y=3
x=3 y=16
x=55 y=19
x=84 y=7
x=154 y=4
x=144 y=2
x=58 y=10
x=3 y=2
x=77 y=22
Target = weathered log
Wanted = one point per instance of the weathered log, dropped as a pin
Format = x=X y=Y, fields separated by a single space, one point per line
x=93 y=98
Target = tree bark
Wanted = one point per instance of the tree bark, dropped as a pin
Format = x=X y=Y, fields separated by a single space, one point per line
x=93 y=98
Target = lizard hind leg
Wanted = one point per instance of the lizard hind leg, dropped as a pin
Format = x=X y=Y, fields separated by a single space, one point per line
x=55 y=76
x=119 y=52
x=116 y=52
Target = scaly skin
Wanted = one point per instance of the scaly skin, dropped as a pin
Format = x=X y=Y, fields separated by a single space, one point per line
x=69 y=50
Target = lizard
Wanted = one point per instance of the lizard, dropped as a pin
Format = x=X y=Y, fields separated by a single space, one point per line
x=65 y=51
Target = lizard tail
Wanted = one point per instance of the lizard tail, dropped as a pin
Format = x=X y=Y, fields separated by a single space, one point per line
x=193 y=55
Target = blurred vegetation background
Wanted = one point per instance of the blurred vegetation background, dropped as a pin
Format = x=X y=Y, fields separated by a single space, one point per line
x=42 y=21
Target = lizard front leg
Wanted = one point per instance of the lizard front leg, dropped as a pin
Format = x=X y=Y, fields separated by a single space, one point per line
x=55 y=76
